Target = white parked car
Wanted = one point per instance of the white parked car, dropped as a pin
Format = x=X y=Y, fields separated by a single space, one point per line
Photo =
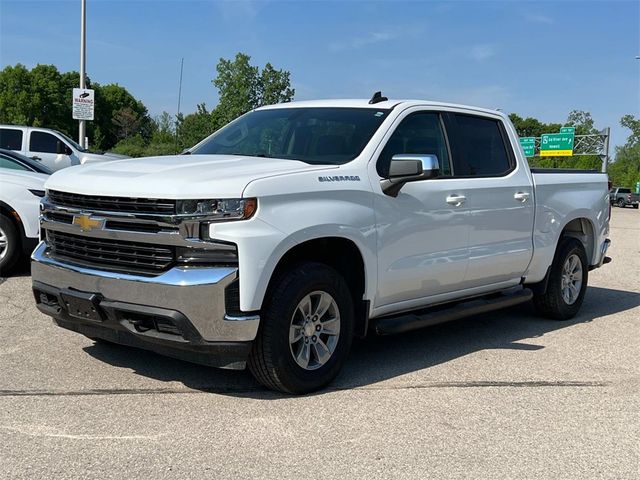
x=300 y=225
x=21 y=188
x=52 y=148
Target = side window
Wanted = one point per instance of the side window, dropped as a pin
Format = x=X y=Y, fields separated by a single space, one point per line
x=11 y=139
x=420 y=132
x=478 y=147
x=10 y=164
x=624 y=190
x=43 y=142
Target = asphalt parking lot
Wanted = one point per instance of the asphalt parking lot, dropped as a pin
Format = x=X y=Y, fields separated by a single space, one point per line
x=504 y=395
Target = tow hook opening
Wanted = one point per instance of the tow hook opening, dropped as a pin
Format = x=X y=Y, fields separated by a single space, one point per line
x=142 y=323
x=48 y=300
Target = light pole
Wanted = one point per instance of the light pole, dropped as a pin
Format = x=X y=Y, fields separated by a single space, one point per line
x=82 y=130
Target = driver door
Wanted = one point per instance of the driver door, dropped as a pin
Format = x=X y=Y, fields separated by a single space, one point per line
x=43 y=147
x=422 y=234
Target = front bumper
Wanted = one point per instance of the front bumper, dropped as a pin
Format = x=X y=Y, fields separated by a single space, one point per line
x=188 y=303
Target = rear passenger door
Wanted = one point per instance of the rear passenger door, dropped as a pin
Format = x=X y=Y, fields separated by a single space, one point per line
x=499 y=199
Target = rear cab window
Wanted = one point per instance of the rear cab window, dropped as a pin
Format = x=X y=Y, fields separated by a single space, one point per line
x=11 y=139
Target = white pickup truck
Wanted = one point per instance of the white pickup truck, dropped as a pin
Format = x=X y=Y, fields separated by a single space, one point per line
x=298 y=226
x=51 y=148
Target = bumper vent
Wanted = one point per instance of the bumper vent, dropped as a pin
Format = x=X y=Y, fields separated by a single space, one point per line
x=113 y=204
x=113 y=255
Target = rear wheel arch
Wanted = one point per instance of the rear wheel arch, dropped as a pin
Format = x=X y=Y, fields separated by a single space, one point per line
x=583 y=230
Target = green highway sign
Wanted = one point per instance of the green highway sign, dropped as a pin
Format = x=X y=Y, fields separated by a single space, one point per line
x=557 y=144
x=571 y=130
x=529 y=146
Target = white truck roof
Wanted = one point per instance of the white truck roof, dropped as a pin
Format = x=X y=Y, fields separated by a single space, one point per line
x=385 y=105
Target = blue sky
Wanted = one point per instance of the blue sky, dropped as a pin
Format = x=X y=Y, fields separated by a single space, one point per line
x=538 y=59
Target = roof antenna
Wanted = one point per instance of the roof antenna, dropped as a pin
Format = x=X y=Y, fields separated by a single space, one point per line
x=377 y=98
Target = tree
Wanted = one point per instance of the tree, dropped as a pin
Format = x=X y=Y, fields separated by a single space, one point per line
x=194 y=127
x=112 y=101
x=582 y=121
x=15 y=95
x=532 y=127
x=243 y=87
x=42 y=97
x=633 y=124
x=625 y=170
x=163 y=138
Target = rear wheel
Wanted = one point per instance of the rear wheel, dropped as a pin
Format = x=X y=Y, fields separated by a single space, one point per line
x=305 y=332
x=567 y=282
x=620 y=203
x=9 y=245
x=636 y=206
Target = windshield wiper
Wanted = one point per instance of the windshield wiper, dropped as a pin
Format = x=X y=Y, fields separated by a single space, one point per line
x=261 y=155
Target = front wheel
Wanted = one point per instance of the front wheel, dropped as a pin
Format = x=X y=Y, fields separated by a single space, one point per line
x=567 y=282
x=620 y=203
x=306 y=330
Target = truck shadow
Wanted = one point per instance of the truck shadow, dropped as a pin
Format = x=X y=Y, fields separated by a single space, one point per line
x=376 y=359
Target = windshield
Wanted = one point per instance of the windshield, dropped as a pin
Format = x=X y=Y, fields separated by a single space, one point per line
x=330 y=136
x=75 y=145
x=17 y=160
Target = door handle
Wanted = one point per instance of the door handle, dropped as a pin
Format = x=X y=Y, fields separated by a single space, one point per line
x=35 y=157
x=456 y=200
x=521 y=196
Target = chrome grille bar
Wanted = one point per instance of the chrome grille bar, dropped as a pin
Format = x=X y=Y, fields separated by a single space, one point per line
x=113 y=204
x=114 y=254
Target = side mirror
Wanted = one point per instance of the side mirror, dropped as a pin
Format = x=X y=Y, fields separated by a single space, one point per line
x=62 y=148
x=405 y=168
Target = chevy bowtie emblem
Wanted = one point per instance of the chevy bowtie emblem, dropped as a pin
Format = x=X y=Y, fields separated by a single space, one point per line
x=87 y=222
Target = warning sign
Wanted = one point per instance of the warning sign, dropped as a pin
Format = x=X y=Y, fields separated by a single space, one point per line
x=83 y=104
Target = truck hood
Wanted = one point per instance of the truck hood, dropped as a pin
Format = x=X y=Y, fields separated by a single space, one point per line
x=172 y=177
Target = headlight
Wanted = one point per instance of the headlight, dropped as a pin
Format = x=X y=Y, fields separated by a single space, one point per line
x=224 y=209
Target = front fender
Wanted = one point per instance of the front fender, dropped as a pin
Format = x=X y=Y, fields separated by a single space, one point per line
x=283 y=222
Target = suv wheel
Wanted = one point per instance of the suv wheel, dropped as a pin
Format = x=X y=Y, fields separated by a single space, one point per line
x=620 y=203
x=305 y=332
x=567 y=282
x=9 y=244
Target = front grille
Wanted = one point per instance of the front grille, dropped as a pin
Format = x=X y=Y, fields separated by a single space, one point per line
x=111 y=254
x=113 y=204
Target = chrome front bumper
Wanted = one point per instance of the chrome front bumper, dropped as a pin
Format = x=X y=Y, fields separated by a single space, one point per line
x=198 y=294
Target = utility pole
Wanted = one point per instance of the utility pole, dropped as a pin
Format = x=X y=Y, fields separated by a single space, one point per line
x=82 y=130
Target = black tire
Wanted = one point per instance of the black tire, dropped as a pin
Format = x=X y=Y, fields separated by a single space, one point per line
x=552 y=304
x=271 y=360
x=636 y=206
x=11 y=249
x=620 y=203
